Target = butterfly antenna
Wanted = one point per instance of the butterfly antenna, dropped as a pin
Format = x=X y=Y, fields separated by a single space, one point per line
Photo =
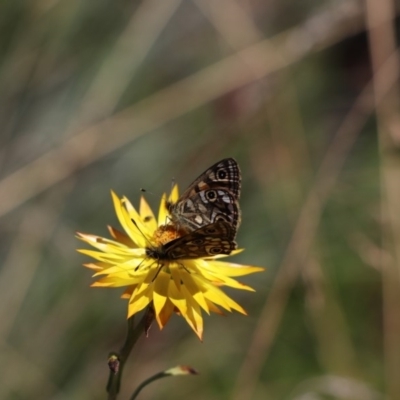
x=150 y=246
x=173 y=183
x=146 y=191
x=138 y=267
x=183 y=266
x=158 y=271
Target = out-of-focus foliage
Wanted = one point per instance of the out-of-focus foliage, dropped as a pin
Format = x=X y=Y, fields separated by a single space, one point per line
x=124 y=95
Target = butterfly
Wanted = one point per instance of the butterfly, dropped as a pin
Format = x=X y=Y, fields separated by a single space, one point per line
x=213 y=196
x=207 y=216
x=207 y=241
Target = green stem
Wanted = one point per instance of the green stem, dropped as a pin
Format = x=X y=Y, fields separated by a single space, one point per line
x=147 y=381
x=133 y=334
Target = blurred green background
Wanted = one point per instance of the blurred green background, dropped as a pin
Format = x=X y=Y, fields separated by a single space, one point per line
x=123 y=95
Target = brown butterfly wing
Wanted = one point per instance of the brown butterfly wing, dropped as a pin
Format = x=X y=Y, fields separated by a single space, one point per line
x=207 y=241
x=212 y=197
x=224 y=174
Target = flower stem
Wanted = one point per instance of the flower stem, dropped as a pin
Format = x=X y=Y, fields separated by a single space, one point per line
x=146 y=382
x=133 y=334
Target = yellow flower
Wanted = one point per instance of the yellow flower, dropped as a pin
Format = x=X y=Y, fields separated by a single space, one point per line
x=184 y=286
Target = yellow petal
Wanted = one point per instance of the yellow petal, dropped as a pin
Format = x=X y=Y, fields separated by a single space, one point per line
x=165 y=314
x=128 y=292
x=194 y=290
x=176 y=297
x=140 y=301
x=217 y=296
x=126 y=214
x=102 y=244
x=174 y=195
x=120 y=215
x=94 y=266
x=162 y=212
x=160 y=292
x=231 y=269
x=147 y=215
x=121 y=237
x=193 y=314
x=224 y=281
x=175 y=273
x=212 y=307
x=136 y=227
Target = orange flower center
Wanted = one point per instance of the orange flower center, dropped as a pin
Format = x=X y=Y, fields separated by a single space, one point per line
x=164 y=234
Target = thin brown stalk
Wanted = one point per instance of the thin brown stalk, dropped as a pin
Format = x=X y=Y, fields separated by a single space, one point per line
x=128 y=53
x=382 y=42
